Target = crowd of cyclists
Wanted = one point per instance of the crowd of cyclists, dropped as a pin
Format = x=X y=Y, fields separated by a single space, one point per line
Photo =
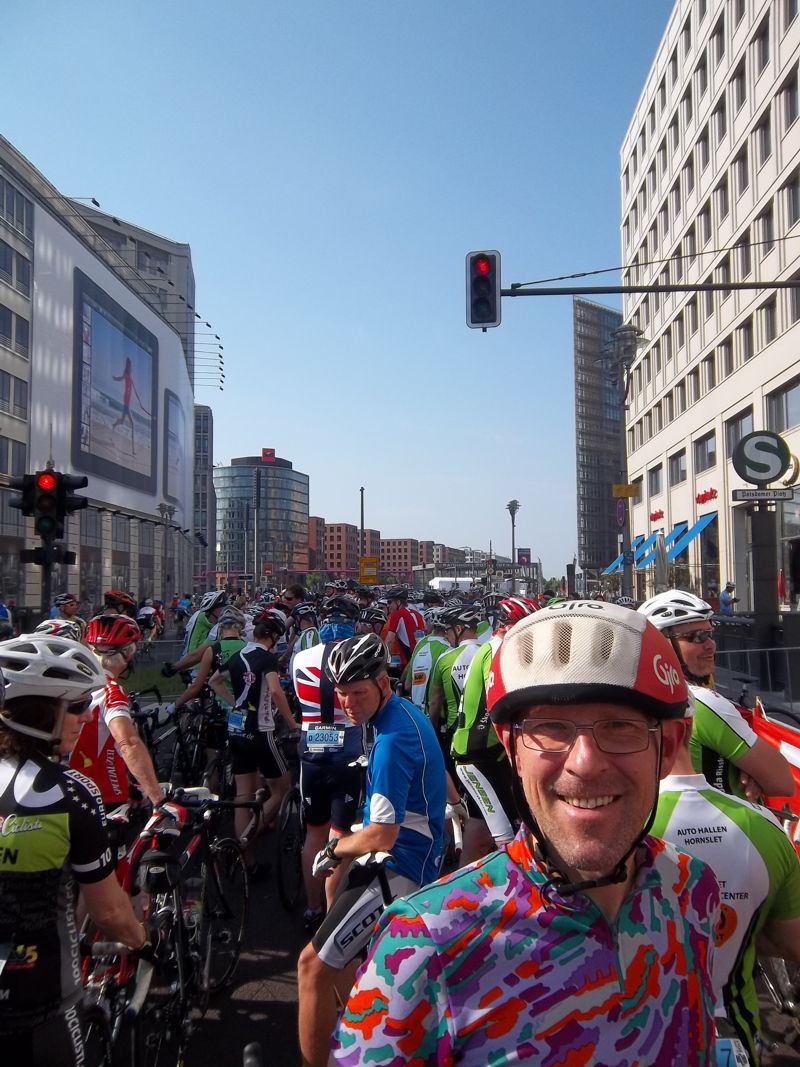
x=618 y=877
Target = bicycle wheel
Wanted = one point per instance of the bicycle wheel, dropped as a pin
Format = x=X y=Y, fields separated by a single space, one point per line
x=96 y=1037
x=223 y=919
x=188 y=755
x=289 y=850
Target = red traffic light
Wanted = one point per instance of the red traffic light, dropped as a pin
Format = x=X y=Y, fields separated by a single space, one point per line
x=45 y=481
x=482 y=264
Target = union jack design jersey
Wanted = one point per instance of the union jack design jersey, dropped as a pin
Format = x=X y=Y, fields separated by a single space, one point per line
x=307 y=679
x=478 y=969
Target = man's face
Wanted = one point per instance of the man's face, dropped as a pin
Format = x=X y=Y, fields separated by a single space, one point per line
x=69 y=609
x=71 y=727
x=361 y=700
x=591 y=805
x=289 y=599
x=699 y=659
x=393 y=605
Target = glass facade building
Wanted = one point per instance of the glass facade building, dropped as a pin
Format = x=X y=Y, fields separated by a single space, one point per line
x=262 y=522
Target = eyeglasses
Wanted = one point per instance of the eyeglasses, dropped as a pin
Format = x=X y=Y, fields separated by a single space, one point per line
x=77 y=707
x=615 y=736
x=697 y=637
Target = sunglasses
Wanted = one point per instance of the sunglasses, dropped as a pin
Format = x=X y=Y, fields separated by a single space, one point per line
x=77 y=707
x=697 y=637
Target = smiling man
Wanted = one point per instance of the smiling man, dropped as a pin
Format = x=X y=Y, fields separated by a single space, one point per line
x=584 y=939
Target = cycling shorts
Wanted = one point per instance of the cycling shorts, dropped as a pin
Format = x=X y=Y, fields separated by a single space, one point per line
x=57 y=1041
x=258 y=752
x=215 y=734
x=330 y=793
x=489 y=796
x=349 y=924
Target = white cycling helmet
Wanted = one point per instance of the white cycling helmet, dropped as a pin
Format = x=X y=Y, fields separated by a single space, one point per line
x=49 y=666
x=60 y=628
x=213 y=599
x=675 y=607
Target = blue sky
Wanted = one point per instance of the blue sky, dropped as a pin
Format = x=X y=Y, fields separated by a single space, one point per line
x=331 y=162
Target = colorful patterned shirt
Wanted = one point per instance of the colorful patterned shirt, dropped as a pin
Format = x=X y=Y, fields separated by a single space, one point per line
x=479 y=970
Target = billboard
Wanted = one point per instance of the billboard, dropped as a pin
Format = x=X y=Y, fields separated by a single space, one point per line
x=110 y=392
x=523 y=557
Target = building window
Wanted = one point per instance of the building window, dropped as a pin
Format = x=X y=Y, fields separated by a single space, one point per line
x=745 y=341
x=673 y=135
x=769 y=321
x=708 y=299
x=680 y=398
x=702 y=76
x=673 y=67
x=738 y=11
x=702 y=149
x=677 y=467
x=741 y=171
x=718 y=41
x=679 y=332
x=792 y=190
x=710 y=371
x=744 y=257
x=690 y=244
x=761 y=46
x=691 y=309
x=687 y=106
x=704 y=221
x=789 y=12
x=791 y=104
x=737 y=428
x=705 y=452
x=720 y=120
x=654 y=480
x=763 y=136
x=693 y=379
x=5 y=391
x=20 y=398
x=766 y=230
x=726 y=358
x=721 y=193
x=739 y=87
x=794 y=301
x=688 y=177
x=783 y=407
x=724 y=277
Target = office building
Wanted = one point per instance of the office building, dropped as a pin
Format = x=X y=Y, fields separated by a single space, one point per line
x=262 y=522
x=342 y=550
x=205 y=501
x=599 y=436
x=399 y=555
x=316 y=543
x=710 y=173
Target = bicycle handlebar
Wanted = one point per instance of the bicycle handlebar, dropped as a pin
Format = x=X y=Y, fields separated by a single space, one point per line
x=211 y=802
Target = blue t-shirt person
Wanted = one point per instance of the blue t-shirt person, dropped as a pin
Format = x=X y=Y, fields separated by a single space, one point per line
x=727 y=599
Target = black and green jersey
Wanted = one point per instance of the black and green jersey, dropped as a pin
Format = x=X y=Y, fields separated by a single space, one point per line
x=475 y=737
x=221 y=652
x=720 y=736
x=52 y=835
x=449 y=673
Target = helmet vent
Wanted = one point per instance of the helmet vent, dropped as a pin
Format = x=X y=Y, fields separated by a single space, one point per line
x=605 y=644
x=564 y=642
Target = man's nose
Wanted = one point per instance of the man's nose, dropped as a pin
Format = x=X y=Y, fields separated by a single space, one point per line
x=585 y=753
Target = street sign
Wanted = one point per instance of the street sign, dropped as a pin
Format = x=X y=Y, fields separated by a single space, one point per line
x=368 y=570
x=763 y=494
x=620 y=512
x=761 y=457
x=266 y=568
x=625 y=489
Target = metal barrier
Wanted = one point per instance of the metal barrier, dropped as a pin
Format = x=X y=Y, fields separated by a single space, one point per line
x=770 y=673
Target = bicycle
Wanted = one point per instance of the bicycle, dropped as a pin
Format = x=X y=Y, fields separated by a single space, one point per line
x=290 y=834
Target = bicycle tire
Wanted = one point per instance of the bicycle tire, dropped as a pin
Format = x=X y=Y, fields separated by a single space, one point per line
x=97 y=1037
x=289 y=850
x=188 y=754
x=225 y=904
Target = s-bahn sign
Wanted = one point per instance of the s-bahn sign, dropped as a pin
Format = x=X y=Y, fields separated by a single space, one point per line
x=761 y=457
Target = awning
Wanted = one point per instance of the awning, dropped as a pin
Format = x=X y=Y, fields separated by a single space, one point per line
x=676 y=530
x=618 y=561
x=690 y=534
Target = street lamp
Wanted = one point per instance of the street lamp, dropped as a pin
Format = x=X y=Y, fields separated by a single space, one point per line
x=513 y=507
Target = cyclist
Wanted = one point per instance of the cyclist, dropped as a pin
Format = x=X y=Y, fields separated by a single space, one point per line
x=118 y=602
x=306 y=633
x=584 y=940
x=418 y=673
x=67 y=610
x=403 y=814
x=759 y=875
x=724 y=747
x=55 y=832
x=371 y=621
x=330 y=785
x=147 y=618
x=252 y=699
x=198 y=629
x=339 y=616
x=480 y=760
x=109 y=746
x=450 y=672
x=405 y=626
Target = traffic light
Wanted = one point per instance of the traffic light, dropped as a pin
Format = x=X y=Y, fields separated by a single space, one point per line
x=26 y=484
x=67 y=502
x=46 y=521
x=483 y=290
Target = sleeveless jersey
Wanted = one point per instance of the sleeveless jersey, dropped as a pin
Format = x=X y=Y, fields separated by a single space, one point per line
x=52 y=835
x=719 y=736
x=95 y=753
x=759 y=876
x=480 y=969
x=420 y=666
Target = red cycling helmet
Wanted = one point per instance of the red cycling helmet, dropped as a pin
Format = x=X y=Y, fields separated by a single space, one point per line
x=118 y=596
x=513 y=609
x=111 y=632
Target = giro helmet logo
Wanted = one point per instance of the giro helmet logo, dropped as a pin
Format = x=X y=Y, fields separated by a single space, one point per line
x=666 y=673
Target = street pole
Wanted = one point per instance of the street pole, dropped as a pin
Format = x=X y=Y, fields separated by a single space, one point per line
x=513 y=507
x=361 y=542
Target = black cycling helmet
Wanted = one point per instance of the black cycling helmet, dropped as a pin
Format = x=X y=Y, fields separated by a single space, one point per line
x=342 y=606
x=466 y=615
x=430 y=598
x=305 y=611
x=373 y=615
x=357 y=659
x=271 y=622
x=397 y=592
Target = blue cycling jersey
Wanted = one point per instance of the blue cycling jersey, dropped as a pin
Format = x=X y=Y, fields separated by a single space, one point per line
x=406 y=784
